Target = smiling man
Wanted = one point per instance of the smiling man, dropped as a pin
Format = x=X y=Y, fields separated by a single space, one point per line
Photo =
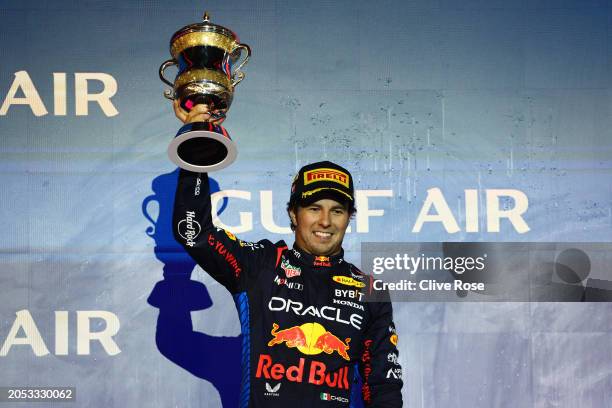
x=320 y=207
x=308 y=332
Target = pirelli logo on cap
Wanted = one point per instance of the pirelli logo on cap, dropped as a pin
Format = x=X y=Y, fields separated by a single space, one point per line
x=337 y=176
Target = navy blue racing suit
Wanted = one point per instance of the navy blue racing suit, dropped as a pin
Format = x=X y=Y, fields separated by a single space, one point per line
x=307 y=329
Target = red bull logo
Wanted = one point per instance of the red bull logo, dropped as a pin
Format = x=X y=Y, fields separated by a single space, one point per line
x=321 y=261
x=310 y=339
x=316 y=373
x=292 y=337
x=330 y=343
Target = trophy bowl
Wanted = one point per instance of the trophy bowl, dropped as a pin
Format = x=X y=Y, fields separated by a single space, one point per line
x=209 y=59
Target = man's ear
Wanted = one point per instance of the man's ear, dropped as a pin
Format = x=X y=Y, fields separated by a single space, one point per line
x=293 y=216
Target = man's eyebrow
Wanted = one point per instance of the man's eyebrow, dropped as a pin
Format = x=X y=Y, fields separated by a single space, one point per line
x=337 y=206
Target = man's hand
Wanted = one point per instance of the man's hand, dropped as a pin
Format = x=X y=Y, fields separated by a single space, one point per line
x=199 y=113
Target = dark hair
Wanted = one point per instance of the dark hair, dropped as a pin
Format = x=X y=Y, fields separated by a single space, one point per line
x=294 y=206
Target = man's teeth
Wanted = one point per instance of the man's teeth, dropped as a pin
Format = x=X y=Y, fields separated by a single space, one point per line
x=323 y=234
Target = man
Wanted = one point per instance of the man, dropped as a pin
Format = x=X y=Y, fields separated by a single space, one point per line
x=307 y=331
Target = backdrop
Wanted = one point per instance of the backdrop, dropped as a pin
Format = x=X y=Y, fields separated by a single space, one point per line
x=409 y=95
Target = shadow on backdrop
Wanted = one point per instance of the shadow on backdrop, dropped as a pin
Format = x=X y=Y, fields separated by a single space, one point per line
x=213 y=358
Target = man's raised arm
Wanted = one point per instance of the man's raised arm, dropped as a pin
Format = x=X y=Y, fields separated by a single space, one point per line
x=226 y=258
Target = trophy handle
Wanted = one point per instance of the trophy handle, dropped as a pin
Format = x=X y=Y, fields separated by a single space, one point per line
x=238 y=75
x=150 y=230
x=167 y=93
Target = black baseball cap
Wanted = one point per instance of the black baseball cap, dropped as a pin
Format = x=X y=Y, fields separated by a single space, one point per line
x=321 y=180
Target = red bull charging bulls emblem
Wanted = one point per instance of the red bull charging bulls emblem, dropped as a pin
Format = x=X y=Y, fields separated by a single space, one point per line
x=321 y=261
x=311 y=339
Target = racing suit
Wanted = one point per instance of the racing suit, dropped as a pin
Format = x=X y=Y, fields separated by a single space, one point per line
x=307 y=331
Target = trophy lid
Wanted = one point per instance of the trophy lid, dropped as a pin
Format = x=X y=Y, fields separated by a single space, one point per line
x=207 y=27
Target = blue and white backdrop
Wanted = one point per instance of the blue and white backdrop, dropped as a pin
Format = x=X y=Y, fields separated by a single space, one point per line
x=410 y=95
